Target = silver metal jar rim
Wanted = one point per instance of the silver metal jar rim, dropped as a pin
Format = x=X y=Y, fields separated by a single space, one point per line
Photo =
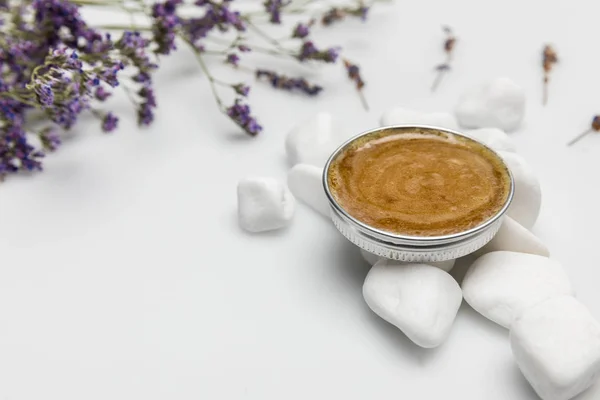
x=413 y=248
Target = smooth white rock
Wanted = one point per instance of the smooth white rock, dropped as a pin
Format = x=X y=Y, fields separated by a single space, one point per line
x=373 y=258
x=494 y=138
x=556 y=344
x=525 y=207
x=499 y=103
x=512 y=236
x=421 y=300
x=312 y=141
x=264 y=204
x=501 y=284
x=401 y=116
x=306 y=183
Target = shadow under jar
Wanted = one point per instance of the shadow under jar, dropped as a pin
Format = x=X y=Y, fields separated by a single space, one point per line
x=417 y=193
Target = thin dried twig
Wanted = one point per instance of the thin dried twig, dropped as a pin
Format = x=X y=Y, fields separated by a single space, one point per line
x=441 y=69
x=594 y=127
x=549 y=58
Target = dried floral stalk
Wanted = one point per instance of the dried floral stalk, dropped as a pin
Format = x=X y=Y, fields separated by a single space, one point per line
x=442 y=69
x=354 y=75
x=549 y=58
x=594 y=127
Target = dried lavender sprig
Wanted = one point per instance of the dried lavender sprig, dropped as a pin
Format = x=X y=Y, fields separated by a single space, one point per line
x=238 y=112
x=442 y=69
x=549 y=58
x=283 y=82
x=354 y=74
x=594 y=127
x=336 y=14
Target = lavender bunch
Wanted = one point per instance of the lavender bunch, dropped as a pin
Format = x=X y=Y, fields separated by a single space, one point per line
x=55 y=65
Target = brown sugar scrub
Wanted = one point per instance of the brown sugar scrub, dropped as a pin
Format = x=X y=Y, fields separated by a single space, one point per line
x=419 y=181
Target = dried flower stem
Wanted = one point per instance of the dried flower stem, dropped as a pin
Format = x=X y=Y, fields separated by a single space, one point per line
x=354 y=74
x=594 y=127
x=549 y=58
x=442 y=69
x=439 y=77
x=206 y=71
x=267 y=38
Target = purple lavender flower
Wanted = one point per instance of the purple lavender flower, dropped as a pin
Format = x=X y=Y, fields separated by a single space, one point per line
x=50 y=139
x=133 y=46
x=354 y=74
x=273 y=7
x=147 y=93
x=285 y=83
x=233 y=59
x=45 y=94
x=145 y=114
x=108 y=73
x=145 y=110
x=60 y=21
x=240 y=114
x=217 y=15
x=110 y=122
x=244 y=49
x=241 y=89
x=102 y=94
x=301 y=31
x=141 y=77
x=16 y=153
x=165 y=24
x=308 y=51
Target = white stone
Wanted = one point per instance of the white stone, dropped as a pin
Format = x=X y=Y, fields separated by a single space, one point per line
x=402 y=116
x=312 y=141
x=494 y=138
x=556 y=344
x=499 y=103
x=501 y=284
x=512 y=236
x=525 y=207
x=421 y=300
x=373 y=258
x=264 y=204
x=306 y=183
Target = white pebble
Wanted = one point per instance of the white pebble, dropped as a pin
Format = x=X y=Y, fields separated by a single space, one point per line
x=501 y=284
x=556 y=344
x=527 y=201
x=402 y=116
x=306 y=183
x=512 y=236
x=421 y=300
x=494 y=138
x=264 y=204
x=373 y=258
x=312 y=141
x=499 y=103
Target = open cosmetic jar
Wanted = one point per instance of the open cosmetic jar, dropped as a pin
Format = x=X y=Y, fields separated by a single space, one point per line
x=417 y=193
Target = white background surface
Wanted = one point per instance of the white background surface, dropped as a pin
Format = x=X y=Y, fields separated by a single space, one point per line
x=124 y=274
